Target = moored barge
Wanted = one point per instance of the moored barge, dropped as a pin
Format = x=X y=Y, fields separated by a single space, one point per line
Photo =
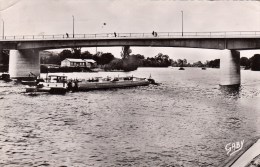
x=60 y=84
x=109 y=83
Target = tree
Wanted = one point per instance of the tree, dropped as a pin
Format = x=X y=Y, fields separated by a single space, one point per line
x=130 y=64
x=214 y=63
x=198 y=64
x=47 y=57
x=160 y=60
x=115 y=64
x=180 y=63
x=103 y=58
x=207 y=63
x=255 y=62
x=65 y=54
x=106 y=58
x=244 y=61
x=97 y=56
x=76 y=52
x=174 y=63
x=86 y=55
x=138 y=58
x=185 y=62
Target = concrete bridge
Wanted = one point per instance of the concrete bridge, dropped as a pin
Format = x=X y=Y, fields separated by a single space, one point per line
x=24 y=50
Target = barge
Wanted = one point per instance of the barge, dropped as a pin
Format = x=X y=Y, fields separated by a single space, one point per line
x=55 y=84
x=109 y=83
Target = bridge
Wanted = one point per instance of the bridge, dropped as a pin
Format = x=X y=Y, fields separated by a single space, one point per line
x=24 y=49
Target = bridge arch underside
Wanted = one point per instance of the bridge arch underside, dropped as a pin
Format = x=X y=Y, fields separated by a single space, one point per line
x=26 y=53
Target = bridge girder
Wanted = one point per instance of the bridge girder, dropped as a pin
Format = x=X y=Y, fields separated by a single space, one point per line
x=204 y=43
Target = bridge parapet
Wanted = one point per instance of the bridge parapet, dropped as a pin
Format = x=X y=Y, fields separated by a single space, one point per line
x=215 y=34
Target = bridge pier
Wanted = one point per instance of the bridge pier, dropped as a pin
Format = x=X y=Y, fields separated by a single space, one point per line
x=230 y=68
x=24 y=62
x=1 y=55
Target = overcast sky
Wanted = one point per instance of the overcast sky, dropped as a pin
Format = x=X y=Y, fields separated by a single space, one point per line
x=34 y=17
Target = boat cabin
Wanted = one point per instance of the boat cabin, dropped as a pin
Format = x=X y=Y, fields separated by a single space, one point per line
x=56 y=79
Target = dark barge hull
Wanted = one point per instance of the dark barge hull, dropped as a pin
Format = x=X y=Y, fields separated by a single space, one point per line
x=85 y=86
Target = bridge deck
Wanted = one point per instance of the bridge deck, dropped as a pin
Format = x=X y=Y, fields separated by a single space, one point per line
x=237 y=40
x=228 y=34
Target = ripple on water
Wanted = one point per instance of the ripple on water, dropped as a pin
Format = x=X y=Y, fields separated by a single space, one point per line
x=186 y=121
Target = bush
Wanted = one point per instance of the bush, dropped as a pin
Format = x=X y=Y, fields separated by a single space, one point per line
x=255 y=64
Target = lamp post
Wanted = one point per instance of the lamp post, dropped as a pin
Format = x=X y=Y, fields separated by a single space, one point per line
x=181 y=23
x=3 y=28
x=73 y=26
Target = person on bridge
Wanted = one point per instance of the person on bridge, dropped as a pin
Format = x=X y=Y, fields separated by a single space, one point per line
x=115 y=34
x=67 y=35
x=154 y=34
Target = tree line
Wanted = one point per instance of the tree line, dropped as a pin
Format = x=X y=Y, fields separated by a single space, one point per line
x=107 y=61
x=53 y=58
x=252 y=63
x=129 y=61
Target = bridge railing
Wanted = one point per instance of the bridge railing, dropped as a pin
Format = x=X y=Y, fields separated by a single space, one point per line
x=228 y=34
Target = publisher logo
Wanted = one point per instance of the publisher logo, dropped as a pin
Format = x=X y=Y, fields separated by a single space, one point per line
x=232 y=148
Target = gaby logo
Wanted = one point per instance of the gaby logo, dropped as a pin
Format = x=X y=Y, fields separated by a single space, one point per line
x=232 y=148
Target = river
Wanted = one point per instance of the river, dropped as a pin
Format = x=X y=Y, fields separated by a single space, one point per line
x=186 y=121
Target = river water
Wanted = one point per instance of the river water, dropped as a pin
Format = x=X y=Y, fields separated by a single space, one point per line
x=186 y=121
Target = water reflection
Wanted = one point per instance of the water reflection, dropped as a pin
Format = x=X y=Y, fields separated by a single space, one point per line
x=230 y=91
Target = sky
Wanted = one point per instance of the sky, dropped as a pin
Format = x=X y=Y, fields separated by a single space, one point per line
x=43 y=17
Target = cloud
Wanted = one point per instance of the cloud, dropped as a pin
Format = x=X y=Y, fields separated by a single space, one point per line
x=31 y=17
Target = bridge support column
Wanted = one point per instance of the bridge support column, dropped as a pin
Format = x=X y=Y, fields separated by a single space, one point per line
x=1 y=55
x=230 y=68
x=24 y=62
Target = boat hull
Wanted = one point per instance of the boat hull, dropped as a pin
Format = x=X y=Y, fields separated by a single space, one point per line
x=58 y=90
x=35 y=89
x=54 y=90
x=30 y=83
x=85 y=86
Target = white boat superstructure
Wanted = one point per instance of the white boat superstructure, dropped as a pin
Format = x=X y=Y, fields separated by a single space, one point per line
x=53 y=84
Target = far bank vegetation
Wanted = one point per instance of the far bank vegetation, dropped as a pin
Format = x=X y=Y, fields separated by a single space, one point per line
x=130 y=62
x=51 y=61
